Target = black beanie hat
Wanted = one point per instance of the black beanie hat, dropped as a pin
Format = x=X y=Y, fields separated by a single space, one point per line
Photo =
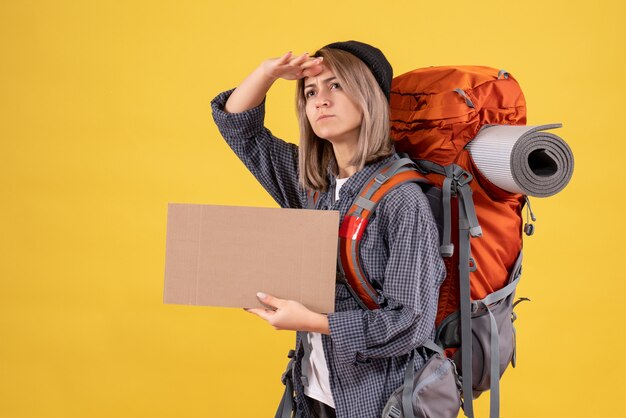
x=373 y=58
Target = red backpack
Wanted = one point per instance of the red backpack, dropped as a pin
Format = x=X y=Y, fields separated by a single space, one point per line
x=435 y=113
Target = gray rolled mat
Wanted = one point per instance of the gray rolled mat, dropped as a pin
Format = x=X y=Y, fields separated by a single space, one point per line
x=523 y=159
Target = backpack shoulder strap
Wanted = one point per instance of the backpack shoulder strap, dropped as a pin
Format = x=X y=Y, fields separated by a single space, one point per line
x=398 y=171
x=311 y=199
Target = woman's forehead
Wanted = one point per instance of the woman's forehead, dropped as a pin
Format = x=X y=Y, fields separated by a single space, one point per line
x=324 y=75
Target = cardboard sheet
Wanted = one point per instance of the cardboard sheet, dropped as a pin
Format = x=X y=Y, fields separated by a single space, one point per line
x=224 y=255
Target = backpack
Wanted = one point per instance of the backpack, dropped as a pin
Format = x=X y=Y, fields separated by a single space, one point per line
x=435 y=113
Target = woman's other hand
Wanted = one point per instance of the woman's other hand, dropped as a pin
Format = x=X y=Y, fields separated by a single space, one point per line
x=285 y=314
x=290 y=67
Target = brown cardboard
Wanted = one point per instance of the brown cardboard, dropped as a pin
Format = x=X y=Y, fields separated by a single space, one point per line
x=224 y=255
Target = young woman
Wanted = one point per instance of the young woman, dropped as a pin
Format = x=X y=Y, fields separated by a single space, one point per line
x=348 y=362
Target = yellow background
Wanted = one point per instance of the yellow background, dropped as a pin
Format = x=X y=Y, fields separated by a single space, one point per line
x=104 y=119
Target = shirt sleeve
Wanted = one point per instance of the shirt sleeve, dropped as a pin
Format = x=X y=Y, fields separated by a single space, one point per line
x=272 y=161
x=410 y=290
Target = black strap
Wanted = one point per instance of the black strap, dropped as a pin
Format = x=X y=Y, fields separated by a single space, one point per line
x=287 y=405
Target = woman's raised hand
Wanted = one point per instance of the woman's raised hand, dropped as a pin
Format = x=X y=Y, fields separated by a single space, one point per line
x=252 y=90
x=290 y=67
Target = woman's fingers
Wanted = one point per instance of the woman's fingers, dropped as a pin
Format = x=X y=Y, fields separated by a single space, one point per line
x=270 y=300
x=285 y=314
x=292 y=67
x=299 y=59
x=311 y=62
x=265 y=314
x=285 y=58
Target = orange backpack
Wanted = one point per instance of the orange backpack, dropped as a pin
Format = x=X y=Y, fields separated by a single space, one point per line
x=435 y=113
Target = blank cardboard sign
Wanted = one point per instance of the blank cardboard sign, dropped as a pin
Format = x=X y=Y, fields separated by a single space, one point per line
x=224 y=255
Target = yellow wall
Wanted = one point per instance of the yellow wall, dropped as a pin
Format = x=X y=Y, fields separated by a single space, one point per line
x=104 y=118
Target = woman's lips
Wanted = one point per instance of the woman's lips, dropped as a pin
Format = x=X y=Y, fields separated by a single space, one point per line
x=324 y=117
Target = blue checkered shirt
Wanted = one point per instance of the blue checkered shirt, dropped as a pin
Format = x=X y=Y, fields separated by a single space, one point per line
x=367 y=351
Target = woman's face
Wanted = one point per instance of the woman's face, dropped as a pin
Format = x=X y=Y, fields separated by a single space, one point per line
x=332 y=114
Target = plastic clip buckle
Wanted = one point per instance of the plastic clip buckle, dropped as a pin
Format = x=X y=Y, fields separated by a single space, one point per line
x=381 y=178
x=462 y=177
x=474 y=306
x=446 y=250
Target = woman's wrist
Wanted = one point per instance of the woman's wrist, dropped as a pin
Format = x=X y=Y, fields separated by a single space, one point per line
x=319 y=323
x=250 y=93
x=263 y=74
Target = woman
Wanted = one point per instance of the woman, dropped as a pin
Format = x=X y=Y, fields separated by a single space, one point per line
x=348 y=362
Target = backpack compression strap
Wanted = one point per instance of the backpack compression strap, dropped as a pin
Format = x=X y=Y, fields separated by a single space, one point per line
x=457 y=181
x=311 y=199
x=390 y=176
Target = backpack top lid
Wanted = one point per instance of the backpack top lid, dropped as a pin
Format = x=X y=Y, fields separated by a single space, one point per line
x=436 y=111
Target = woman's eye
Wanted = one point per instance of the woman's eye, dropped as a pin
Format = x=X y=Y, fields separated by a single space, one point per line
x=335 y=86
x=309 y=93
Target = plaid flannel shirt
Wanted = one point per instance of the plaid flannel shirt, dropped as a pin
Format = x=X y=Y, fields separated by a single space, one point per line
x=367 y=351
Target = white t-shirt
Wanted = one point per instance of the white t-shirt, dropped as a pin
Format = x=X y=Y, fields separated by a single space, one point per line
x=317 y=370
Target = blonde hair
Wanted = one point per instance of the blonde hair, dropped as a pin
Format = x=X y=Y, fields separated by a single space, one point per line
x=358 y=82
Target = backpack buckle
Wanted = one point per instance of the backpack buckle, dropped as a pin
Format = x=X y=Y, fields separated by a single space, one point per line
x=446 y=250
x=474 y=306
x=381 y=178
x=462 y=177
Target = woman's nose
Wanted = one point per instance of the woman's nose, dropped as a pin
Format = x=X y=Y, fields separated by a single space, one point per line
x=321 y=100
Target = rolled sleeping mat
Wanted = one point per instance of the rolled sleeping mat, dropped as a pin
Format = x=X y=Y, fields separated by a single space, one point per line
x=523 y=159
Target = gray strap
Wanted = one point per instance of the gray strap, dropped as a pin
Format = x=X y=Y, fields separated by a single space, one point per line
x=310 y=202
x=430 y=167
x=447 y=248
x=381 y=178
x=306 y=345
x=474 y=227
x=397 y=164
x=432 y=346
x=514 y=279
x=464 y=95
x=504 y=73
x=393 y=166
x=466 y=325
x=364 y=203
x=407 y=389
x=500 y=294
x=373 y=176
x=494 y=384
